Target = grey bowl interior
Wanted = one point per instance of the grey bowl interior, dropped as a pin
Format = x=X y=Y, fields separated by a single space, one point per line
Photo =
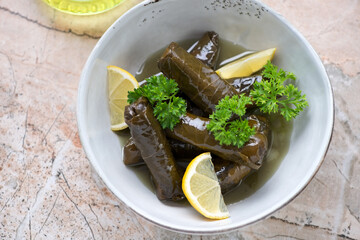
x=151 y=26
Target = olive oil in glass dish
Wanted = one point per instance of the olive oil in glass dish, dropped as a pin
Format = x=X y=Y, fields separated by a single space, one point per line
x=83 y=7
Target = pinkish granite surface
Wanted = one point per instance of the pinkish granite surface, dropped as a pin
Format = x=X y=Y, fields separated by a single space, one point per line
x=47 y=187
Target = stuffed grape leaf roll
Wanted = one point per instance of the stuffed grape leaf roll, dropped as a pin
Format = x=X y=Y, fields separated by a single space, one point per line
x=244 y=84
x=192 y=129
x=131 y=154
x=180 y=150
x=150 y=139
x=197 y=80
x=230 y=174
x=207 y=49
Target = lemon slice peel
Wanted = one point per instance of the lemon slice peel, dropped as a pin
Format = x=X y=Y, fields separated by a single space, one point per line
x=246 y=65
x=202 y=190
x=120 y=82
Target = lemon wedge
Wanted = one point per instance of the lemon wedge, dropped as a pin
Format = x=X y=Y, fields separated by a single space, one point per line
x=247 y=65
x=202 y=189
x=119 y=83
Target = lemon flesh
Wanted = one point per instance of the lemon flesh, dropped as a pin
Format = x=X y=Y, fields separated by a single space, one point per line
x=247 y=65
x=119 y=83
x=202 y=189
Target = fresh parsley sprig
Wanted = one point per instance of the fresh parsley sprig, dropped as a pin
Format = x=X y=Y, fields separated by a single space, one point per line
x=161 y=93
x=236 y=132
x=271 y=95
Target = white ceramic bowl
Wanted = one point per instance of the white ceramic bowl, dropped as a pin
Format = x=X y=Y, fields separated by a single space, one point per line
x=149 y=27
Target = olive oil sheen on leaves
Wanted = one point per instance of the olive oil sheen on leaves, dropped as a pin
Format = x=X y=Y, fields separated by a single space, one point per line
x=280 y=128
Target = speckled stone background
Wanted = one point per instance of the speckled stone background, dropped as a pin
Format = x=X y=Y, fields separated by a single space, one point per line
x=47 y=187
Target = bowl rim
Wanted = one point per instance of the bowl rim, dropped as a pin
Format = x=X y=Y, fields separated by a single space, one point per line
x=222 y=228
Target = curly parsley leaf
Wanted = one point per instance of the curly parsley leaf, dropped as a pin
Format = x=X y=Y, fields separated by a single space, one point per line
x=134 y=95
x=169 y=113
x=294 y=98
x=161 y=92
x=271 y=95
x=236 y=132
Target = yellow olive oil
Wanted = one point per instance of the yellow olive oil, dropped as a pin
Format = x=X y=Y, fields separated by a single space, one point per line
x=83 y=7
